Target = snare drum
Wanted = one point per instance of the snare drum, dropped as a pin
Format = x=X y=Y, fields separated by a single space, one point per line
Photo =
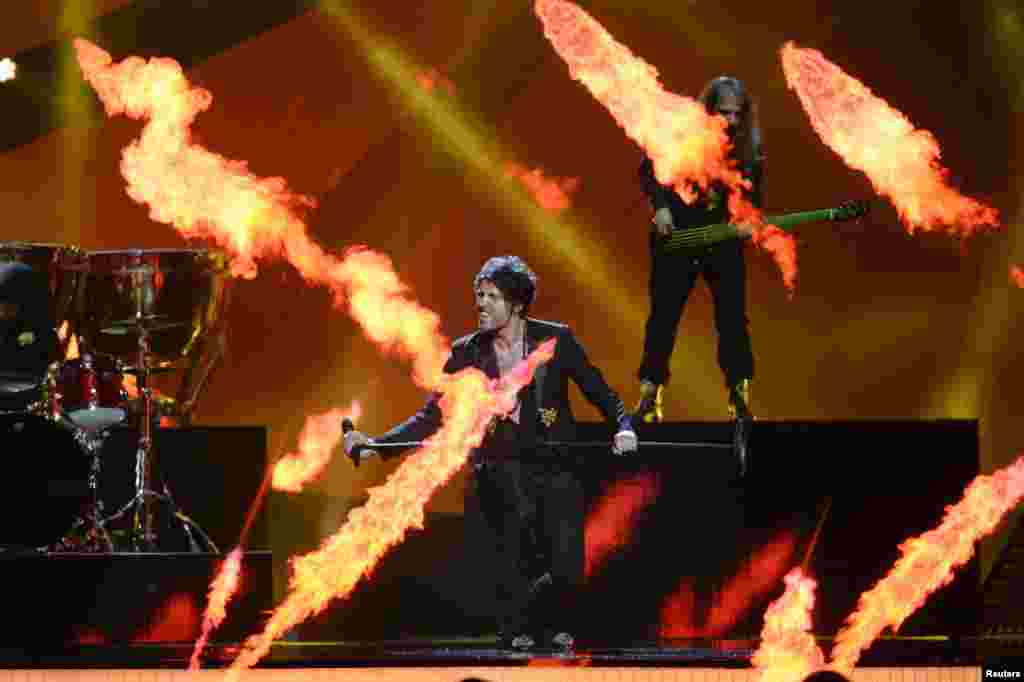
x=52 y=480
x=90 y=391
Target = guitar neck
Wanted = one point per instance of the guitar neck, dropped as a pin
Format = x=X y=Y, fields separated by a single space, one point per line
x=720 y=232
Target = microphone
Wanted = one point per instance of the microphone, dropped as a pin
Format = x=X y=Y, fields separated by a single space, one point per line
x=346 y=426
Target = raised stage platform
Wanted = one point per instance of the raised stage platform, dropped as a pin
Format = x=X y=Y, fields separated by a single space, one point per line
x=683 y=555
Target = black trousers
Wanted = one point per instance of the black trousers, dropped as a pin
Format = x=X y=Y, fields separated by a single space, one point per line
x=673 y=276
x=524 y=522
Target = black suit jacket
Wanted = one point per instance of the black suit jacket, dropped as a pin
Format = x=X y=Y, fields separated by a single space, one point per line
x=545 y=412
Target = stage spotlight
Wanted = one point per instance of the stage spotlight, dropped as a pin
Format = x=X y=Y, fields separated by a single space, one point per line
x=8 y=69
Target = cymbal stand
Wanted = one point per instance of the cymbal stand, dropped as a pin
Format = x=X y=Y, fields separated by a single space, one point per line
x=96 y=531
x=143 y=538
x=142 y=532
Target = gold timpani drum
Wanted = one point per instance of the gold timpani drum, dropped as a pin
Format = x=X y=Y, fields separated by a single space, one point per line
x=175 y=297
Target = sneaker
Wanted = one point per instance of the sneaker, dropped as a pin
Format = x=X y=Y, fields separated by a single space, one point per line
x=564 y=641
x=649 y=408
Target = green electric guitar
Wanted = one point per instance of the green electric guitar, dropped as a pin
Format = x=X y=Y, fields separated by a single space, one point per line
x=720 y=232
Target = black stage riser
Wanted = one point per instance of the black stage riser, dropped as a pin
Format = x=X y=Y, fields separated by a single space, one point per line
x=99 y=599
x=710 y=535
x=213 y=474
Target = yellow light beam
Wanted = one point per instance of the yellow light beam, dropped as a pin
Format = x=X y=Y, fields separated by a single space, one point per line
x=584 y=259
x=77 y=137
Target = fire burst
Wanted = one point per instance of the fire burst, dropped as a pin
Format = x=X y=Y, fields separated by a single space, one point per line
x=788 y=651
x=319 y=438
x=205 y=195
x=551 y=193
x=1017 y=275
x=928 y=561
x=223 y=588
x=469 y=403
x=687 y=145
x=901 y=162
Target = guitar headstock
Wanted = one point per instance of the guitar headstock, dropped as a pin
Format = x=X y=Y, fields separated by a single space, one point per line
x=851 y=210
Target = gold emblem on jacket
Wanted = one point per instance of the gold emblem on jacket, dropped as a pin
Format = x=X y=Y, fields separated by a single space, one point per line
x=548 y=416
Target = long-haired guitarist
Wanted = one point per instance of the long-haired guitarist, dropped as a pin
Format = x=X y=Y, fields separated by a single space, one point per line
x=673 y=274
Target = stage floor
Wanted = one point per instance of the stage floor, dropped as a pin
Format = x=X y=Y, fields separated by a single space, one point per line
x=916 y=652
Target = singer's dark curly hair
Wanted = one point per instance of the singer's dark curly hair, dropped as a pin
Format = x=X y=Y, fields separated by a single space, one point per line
x=513 y=278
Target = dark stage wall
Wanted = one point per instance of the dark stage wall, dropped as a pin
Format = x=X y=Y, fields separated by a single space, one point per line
x=706 y=550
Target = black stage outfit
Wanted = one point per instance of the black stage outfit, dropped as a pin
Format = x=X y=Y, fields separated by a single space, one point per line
x=524 y=502
x=674 y=274
x=28 y=341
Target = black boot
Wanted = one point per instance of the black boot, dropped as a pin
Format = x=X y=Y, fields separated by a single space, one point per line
x=649 y=408
x=739 y=400
x=739 y=410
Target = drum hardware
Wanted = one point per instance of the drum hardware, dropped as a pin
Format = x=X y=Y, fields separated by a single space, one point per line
x=142 y=518
x=91 y=522
x=137 y=312
x=143 y=536
x=89 y=391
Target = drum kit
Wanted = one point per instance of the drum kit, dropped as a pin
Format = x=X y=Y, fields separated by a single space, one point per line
x=123 y=318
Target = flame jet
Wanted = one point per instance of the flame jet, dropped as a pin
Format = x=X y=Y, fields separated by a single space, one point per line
x=334 y=570
x=901 y=161
x=320 y=437
x=928 y=561
x=788 y=651
x=205 y=195
x=687 y=145
x=223 y=588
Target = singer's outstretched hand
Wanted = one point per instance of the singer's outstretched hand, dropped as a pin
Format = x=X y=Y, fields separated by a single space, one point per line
x=625 y=443
x=354 y=438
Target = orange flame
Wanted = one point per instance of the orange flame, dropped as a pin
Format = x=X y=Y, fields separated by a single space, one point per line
x=901 y=162
x=687 y=145
x=928 y=561
x=175 y=620
x=469 y=402
x=222 y=589
x=429 y=80
x=319 y=438
x=1017 y=275
x=738 y=595
x=788 y=651
x=612 y=519
x=205 y=195
x=200 y=193
x=131 y=386
x=551 y=193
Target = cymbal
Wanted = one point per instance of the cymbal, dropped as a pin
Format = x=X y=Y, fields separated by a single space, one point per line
x=16 y=382
x=136 y=325
x=155 y=369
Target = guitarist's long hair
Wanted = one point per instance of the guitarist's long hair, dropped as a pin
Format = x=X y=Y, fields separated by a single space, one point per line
x=747 y=141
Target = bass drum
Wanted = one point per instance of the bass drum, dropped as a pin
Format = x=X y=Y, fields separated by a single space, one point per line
x=52 y=480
